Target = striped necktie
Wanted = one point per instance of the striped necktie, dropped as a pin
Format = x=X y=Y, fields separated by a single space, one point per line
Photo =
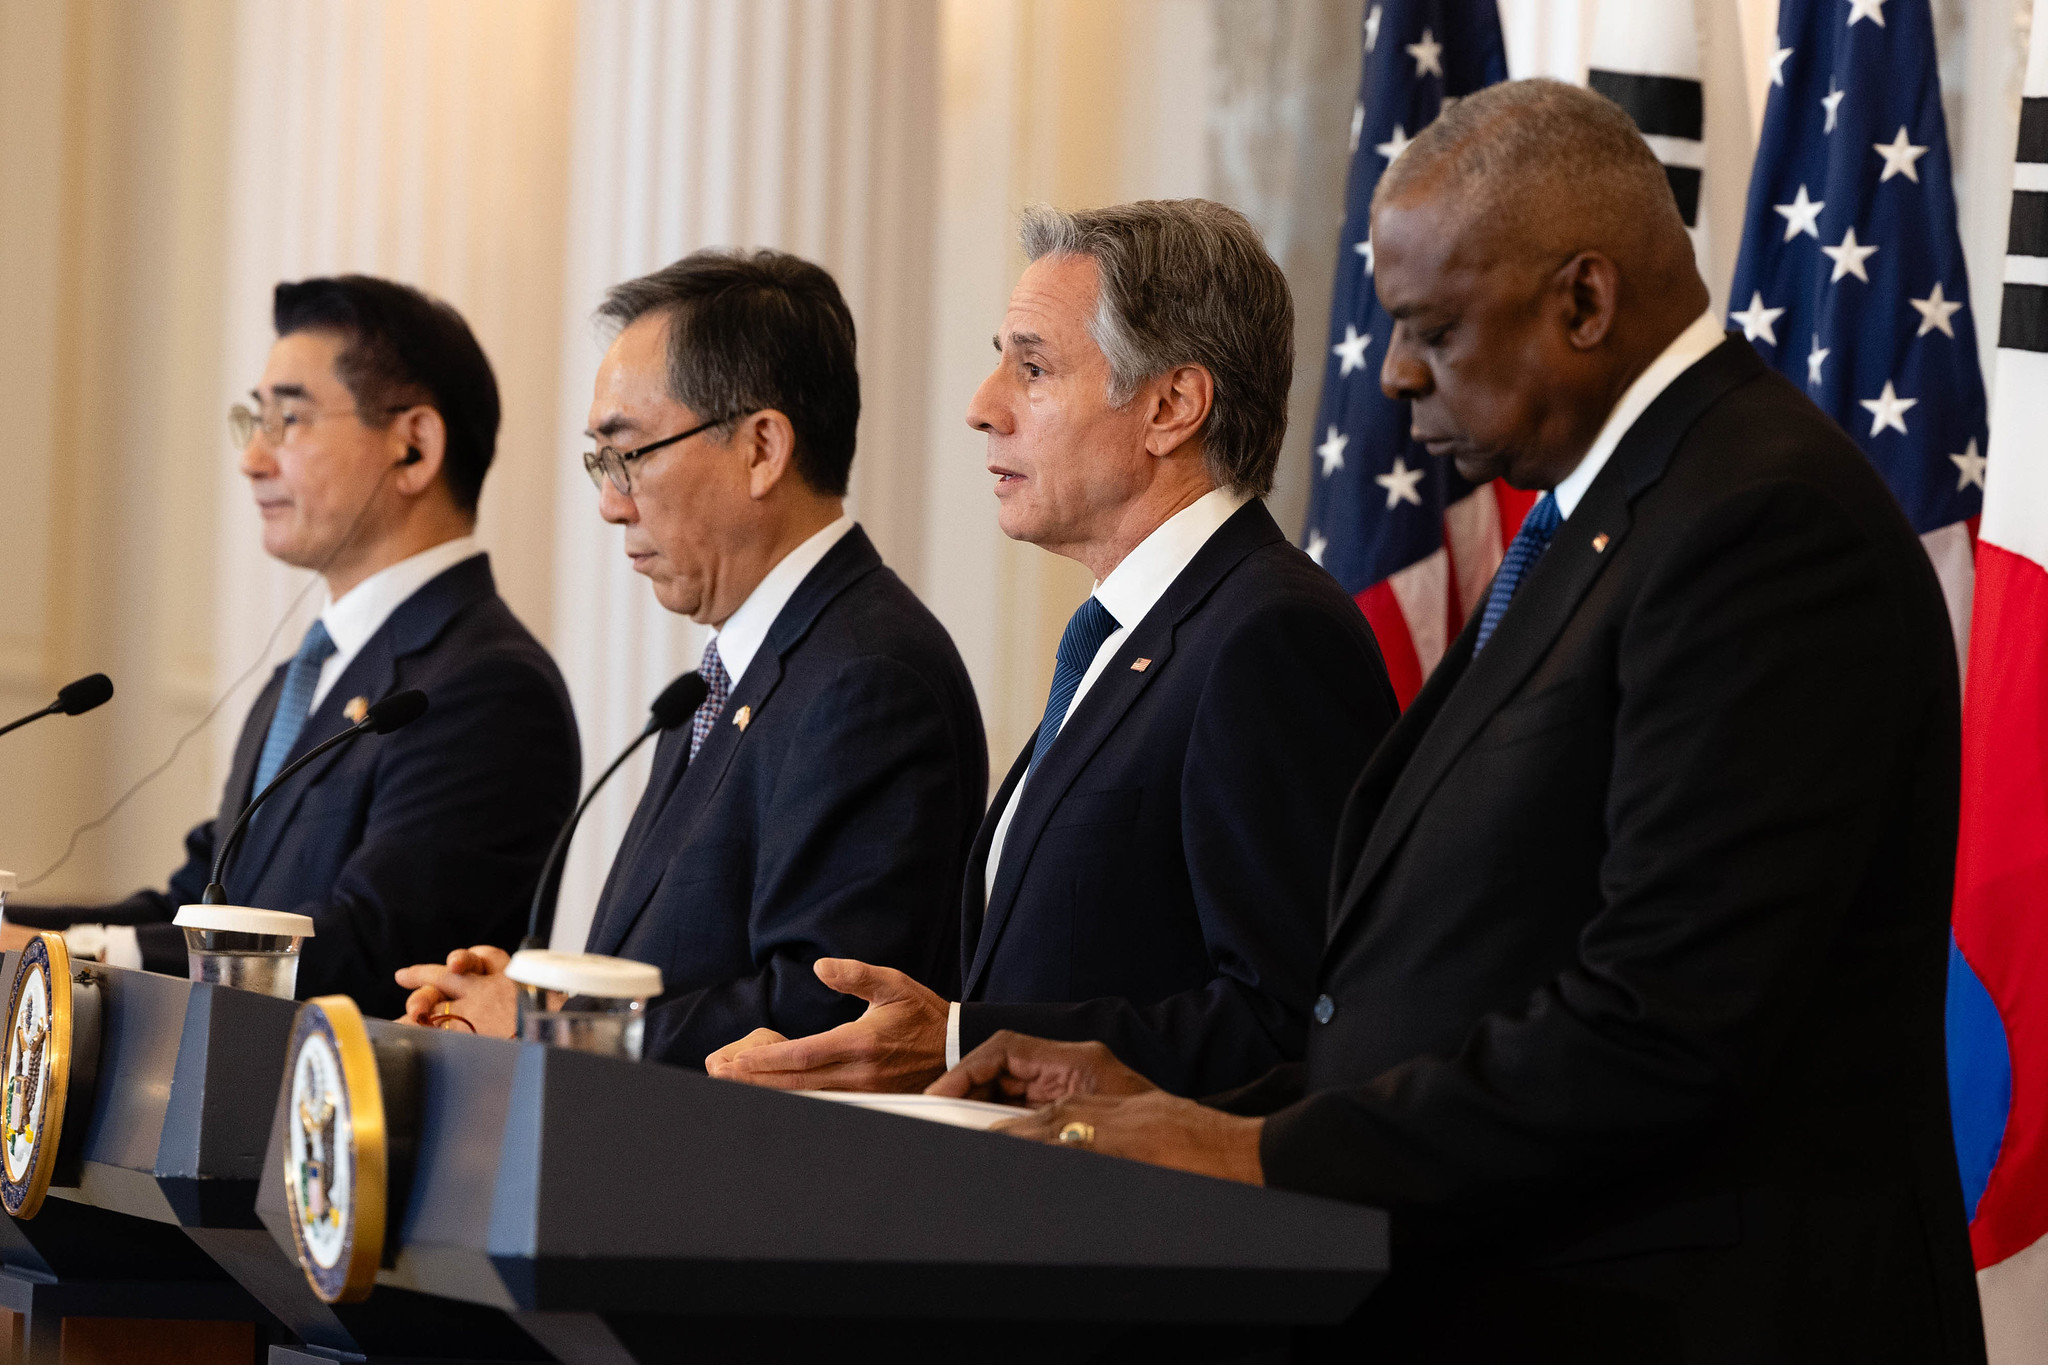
x=301 y=679
x=1523 y=552
x=1087 y=628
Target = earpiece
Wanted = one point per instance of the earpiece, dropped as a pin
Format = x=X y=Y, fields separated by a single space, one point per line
x=412 y=455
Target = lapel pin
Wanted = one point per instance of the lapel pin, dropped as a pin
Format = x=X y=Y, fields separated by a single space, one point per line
x=1140 y=665
x=357 y=708
x=746 y=714
x=1599 y=542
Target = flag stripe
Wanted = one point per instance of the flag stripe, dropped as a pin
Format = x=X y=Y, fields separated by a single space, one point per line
x=2034 y=129
x=2023 y=324
x=1662 y=106
x=1685 y=188
x=2029 y=232
x=1383 y=613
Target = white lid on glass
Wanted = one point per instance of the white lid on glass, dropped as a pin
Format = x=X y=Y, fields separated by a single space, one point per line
x=609 y=978
x=7 y=882
x=245 y=919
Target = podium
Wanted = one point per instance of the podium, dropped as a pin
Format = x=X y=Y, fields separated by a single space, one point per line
x=161 y=1223
x=621 y=1211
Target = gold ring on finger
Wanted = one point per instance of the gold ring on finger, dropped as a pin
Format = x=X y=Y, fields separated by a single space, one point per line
x=1078 y=1134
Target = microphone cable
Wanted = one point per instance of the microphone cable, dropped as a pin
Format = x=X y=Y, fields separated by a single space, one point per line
x=71 y=845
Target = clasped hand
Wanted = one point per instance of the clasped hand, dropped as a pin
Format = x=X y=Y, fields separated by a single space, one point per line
x=473 y=985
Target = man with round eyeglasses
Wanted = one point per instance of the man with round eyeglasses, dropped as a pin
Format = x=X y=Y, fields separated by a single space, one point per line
x=823 y=799
x=365 y=442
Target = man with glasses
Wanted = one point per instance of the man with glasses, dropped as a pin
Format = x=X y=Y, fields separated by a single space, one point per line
x=365 y=444
x=823 y=799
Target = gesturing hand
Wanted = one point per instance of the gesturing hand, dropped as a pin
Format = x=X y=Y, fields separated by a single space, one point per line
x=473 y=984
x=1014 y=1068
x=899 y=1043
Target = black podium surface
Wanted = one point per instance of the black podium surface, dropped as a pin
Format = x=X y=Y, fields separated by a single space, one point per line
x=621 y=1210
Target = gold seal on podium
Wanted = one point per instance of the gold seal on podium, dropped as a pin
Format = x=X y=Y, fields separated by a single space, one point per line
x=336 y=1160
x=52 y=1047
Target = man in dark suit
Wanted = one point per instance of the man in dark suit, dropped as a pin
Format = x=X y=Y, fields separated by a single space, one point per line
x=1631 y=1011
x=366 y=448
x=823 y=799
x=1150 y=872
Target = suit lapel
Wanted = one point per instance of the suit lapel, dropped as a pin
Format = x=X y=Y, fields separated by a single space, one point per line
x=974 y=890
x=1474 y=689
x=248 y=749
x=1110 y=697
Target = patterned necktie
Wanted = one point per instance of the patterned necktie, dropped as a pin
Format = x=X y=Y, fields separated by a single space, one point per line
x=1087 y=628
x=715 y=677
x=300 y=680
x=1523 y=552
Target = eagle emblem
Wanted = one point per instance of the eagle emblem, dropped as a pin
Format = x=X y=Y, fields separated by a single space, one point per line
x=316 y=1167
x=27 y=1055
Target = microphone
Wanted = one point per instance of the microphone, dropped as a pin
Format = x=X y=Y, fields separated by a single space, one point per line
x=397 y=710
x=73 y=699
x=676 y=704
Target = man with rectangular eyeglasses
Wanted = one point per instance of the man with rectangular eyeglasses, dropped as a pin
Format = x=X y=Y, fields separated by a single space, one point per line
x=822 y=801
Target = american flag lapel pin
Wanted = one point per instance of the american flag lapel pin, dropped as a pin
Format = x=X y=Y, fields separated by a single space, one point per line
x=1140 y=665
x=746 y=713
x=1600 y=542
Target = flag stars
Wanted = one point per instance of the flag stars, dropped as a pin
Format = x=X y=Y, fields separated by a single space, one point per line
x=1815 y=358
x=1372 y=29
x=1778 y=65
x=1888 y=410
x=1899 y=155
x=1364 y=249
x=1318 y=543
x=1849 y=257
x=1401 y=483
x=1970 y=466
x=1756 y=320
x=1332 y=451
x=1357 y=123
x=1872 y=10
x=1428 y=55
x=1392 y=148
x=1801 y=215
x=1935 y=312
x=1832 y=102
x=1351 y=350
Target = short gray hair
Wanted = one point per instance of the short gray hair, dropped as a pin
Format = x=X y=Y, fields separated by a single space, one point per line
x=1514 y=146
x=1188 y=282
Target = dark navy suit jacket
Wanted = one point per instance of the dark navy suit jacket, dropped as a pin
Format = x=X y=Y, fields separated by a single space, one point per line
x=404 y=846
x=1162 y=884
x=835 y=824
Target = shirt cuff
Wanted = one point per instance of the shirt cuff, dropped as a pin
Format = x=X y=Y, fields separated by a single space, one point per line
x=123 y=947
x=952 y=1035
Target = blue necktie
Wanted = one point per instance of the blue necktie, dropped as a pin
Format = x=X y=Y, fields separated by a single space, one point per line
x=720 y=683
x=1523 y=552
x=300 y=680
x=1087 y=628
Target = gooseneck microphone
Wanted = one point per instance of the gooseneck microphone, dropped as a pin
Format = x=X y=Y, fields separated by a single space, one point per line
x=73 y=699
x=398 y=709
x=676 y=704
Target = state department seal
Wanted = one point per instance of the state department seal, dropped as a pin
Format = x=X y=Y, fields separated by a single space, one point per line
x=335 y=1157
x=52 y=1044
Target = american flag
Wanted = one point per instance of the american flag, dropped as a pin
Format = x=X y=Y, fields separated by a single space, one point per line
x=1411 y=541
x=1851 y=277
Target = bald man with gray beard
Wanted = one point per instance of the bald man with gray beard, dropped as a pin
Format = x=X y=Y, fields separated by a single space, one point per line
x=1631 y=1010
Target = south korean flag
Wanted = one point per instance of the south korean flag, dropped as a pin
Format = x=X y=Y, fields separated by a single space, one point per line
x=1646 y=58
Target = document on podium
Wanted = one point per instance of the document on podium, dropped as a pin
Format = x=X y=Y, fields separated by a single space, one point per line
x=933 y=1108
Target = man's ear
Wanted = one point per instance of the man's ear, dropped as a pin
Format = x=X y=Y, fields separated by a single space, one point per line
x=767 y=442
x=1590 y=288
x=1177 y=403
x=418 y=441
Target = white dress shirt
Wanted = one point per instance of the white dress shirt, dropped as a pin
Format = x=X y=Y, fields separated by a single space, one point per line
x=1687 y=349
x=363 y=609
x=746 y=630
x=1130 y=592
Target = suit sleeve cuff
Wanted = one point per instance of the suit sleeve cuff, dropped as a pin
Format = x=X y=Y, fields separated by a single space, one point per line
x=952 y=1035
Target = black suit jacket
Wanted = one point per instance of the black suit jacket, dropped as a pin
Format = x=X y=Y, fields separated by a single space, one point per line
x=1638 y=931
x=1161 y=885
x=834 y=825
x=402 y=847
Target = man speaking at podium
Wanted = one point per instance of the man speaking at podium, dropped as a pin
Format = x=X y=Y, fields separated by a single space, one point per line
x=823 y=797
x=1152 y=870
x=365 y=444
x=1631 y=1013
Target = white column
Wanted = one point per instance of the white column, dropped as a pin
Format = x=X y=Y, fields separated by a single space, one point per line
x=803 y=125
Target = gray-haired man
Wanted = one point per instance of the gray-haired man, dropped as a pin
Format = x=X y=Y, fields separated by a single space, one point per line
x=1151 y=873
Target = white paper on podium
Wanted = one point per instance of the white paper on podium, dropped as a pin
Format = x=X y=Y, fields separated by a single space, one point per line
x=932 y=1108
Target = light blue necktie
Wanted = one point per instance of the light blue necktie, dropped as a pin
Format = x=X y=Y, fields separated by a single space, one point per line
x=1523 y=551
x=301 y=678
x=1087 y=628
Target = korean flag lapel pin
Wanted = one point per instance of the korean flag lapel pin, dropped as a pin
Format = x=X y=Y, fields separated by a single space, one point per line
x=357 y=708
x=743 y=718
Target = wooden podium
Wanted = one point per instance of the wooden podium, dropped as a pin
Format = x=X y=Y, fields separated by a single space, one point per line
x=627 y=1211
